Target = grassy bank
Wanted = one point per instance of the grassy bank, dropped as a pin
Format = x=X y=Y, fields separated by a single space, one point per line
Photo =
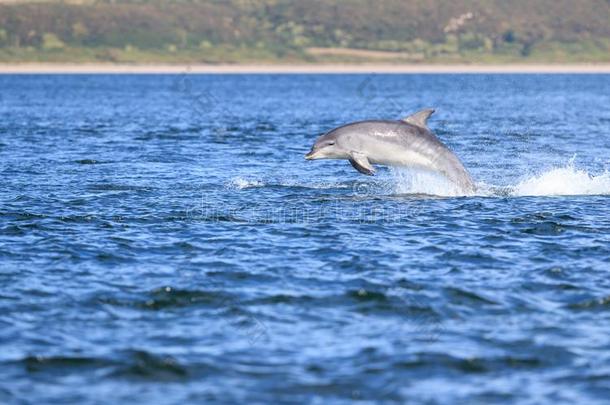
x=305 y=31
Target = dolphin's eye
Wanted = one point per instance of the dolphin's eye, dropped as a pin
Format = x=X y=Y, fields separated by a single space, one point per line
x=331 y=143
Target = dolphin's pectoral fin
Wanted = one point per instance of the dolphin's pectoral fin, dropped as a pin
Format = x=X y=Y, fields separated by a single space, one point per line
x=420 y=118
x=361 y=163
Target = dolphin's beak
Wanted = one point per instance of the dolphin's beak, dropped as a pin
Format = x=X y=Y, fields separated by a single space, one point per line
x=310 y=155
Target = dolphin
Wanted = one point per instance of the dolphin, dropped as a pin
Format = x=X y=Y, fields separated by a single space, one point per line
x=407 y=142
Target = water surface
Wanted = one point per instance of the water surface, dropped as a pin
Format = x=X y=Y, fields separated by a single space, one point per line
x=163 y=240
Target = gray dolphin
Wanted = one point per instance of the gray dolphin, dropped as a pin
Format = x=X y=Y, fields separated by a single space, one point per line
x=407 y=143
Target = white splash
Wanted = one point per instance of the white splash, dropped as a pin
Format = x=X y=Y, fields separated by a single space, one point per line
x=422 y=182
x=566 y=180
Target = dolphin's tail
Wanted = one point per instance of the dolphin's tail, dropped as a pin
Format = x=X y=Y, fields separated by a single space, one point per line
x=458 y=174
x=468 y=185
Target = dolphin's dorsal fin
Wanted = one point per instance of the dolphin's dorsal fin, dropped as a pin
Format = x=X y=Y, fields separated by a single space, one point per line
x=420 y=118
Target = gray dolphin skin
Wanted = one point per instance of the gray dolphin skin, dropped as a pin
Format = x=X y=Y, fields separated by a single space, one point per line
x=407 y=143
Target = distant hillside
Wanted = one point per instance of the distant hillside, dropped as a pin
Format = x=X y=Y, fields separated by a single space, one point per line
x=215 y=31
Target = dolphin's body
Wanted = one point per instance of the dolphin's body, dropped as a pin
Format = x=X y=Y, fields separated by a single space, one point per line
x=407 y=143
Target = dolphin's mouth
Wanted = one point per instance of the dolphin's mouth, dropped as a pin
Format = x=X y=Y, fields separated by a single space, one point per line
x=310 y=155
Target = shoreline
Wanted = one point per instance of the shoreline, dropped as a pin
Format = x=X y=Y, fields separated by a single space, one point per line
x=100 y=68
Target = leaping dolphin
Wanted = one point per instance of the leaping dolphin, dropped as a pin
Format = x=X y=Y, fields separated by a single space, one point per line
x=407 y=142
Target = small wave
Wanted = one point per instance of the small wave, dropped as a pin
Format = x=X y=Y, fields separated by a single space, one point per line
x=118 y=187
x=566 y=180
x=87 y=161
x=64 y=364
x=166 y=298
x=145 y=365
x=240 y=183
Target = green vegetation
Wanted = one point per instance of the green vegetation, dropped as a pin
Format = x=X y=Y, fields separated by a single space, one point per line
x=311 y=31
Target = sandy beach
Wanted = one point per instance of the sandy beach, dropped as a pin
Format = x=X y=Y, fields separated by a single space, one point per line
x=31 y=68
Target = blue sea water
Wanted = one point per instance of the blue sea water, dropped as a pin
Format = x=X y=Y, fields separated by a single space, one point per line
x=162 y=240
